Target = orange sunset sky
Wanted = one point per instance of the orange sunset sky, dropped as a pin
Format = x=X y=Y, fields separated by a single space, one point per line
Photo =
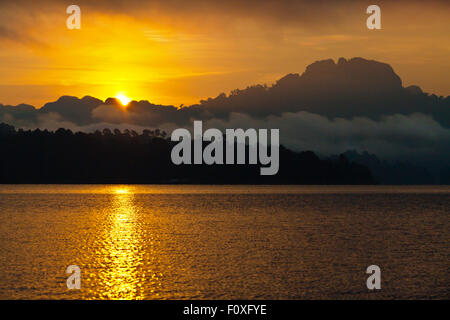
x=178 y=52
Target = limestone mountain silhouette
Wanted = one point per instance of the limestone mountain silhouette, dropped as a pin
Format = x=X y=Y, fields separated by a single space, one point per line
x=348 y=88
x=73 y=109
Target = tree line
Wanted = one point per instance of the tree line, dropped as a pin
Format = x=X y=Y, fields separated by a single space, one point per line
x=115 y=156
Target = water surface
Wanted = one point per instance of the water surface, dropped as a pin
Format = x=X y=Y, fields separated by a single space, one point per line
x=223 y=242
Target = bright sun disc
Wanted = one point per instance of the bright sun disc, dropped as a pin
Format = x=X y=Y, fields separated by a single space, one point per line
x=123 y=99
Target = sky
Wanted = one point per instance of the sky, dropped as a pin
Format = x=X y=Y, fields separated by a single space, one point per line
x=178 y=52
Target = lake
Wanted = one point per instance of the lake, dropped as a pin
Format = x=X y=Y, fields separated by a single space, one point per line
x=224 y=242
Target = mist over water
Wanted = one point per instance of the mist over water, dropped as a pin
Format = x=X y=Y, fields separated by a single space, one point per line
x=223 y=242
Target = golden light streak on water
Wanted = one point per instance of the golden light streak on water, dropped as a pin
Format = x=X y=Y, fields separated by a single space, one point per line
x=122 y=250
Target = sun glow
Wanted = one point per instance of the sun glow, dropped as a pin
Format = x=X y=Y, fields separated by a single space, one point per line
x=121 y=191
x=124 y=100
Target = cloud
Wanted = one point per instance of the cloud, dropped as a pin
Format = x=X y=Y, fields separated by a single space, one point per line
x=311 y=15
x=53 y=121
x=110 y=113
x=391 y=137
x=17 y=35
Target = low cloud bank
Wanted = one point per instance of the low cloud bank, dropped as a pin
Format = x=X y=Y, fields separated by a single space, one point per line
x=393 y=136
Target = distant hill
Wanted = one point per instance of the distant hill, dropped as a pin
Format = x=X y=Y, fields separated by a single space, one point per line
x=392 y=172
x=348 y=88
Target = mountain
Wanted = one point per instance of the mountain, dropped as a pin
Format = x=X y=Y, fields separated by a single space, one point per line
x=349 y=88
x=73 y=109
x=344 y=89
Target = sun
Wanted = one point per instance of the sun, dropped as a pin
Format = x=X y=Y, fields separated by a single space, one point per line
x=124 y=100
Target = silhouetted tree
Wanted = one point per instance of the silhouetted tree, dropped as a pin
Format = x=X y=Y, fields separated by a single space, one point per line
x=101 y=157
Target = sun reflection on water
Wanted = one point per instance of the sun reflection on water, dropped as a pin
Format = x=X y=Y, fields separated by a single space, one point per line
x=121 y=191
x=122 y=251
x=126 y=260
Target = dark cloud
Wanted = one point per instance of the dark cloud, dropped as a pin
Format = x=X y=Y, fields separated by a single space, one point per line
x=9 y=34
x=305 y=13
